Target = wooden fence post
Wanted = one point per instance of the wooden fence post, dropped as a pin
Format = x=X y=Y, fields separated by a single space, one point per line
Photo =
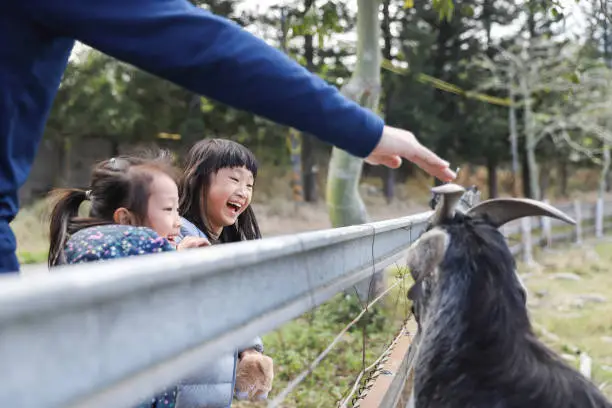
x=526 y=238
x=547 y=229
x=578 y=214
x=599 y=217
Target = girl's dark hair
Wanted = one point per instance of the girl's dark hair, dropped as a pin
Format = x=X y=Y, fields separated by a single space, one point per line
x=118 y=182
x=204 y=159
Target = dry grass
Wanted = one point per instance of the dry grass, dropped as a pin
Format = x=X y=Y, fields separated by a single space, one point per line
x=279 y=215
x=577 y=312
x=276 y=213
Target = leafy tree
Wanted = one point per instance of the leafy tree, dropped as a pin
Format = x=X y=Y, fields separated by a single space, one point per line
x=91 y=103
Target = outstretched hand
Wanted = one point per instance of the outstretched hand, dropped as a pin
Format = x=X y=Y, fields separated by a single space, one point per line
x=396 y=144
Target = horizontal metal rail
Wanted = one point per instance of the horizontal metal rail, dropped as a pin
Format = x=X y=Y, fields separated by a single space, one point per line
x=113 y=333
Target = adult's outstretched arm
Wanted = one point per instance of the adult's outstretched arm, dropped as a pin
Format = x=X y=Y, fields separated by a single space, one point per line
x=214 y=57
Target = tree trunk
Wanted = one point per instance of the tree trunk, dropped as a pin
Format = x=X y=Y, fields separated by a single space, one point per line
x=389 y=185
x=309 y=175
x=388 y=174
x=604 y=171
x=563 y=173
x=606 y=34
x=114 y=147
x=544 y=180
x=492 y=177
x=531 y=165
x=294 y=139
x=513 y=138
x=604 y=182
x=344 y=203
x=525 y=174
x=530 y=144
x=66 y=162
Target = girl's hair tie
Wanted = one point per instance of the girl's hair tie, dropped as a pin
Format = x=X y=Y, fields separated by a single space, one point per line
x=88 y=195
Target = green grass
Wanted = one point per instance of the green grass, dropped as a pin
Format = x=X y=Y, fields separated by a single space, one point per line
x=296 y=344
x=35 y=257
x=31 y=230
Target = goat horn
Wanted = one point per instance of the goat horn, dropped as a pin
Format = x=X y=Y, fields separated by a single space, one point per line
x=450 y=194
x=503 y=210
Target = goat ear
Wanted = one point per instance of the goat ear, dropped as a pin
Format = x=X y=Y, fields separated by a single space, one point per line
x=503 y=210
x=427 y=252
x=450 y=194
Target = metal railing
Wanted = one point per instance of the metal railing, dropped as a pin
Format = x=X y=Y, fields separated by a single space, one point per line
x=113 y=333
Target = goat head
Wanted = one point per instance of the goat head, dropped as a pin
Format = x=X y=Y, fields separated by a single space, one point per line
x=427 y=253
x=498 y=211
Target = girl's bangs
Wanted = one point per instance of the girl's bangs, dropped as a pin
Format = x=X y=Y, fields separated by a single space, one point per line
x=230 y=155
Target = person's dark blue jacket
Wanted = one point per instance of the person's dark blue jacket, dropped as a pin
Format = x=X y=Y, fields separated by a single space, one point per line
x=173 y=39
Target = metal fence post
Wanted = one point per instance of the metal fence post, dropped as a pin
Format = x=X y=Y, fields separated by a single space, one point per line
x=547 y=229
x=578 y=214
x=599 y=217
x=527 y=249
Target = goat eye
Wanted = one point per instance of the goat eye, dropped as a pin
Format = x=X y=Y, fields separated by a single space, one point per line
x=523 y=293
x=414 y=292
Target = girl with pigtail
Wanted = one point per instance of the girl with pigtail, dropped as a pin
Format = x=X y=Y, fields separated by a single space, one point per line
x=136 y=192
x=134 y=211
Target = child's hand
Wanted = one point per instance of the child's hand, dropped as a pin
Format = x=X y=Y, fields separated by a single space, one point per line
x=192 y=242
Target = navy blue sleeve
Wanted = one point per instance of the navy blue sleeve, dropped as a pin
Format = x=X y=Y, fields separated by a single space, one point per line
x=214 y=57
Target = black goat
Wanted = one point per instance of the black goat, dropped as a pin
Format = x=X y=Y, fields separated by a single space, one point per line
x=477 y=348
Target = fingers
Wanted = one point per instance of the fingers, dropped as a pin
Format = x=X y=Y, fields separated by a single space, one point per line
x=423 y=155
x=435 y=167
x=441 y=172
x=396 y=143
x=444 y=174
x=433 y=164
x=390 y=161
